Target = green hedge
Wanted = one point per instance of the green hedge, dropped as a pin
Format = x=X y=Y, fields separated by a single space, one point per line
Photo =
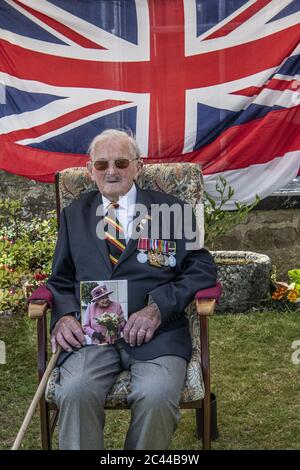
x=26 y=252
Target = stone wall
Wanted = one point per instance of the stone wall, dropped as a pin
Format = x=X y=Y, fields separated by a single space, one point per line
x=38 y=198
x=274 y=232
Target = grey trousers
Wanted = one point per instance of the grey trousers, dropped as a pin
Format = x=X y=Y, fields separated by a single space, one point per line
x=82 y=386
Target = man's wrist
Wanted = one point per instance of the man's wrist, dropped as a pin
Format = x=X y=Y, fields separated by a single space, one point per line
x=154 y=307
x=63 y=318
x=71 y=315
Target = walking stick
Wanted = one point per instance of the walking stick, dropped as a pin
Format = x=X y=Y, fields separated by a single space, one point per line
x=36 y=399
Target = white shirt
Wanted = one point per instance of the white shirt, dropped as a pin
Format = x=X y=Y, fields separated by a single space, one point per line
x=125 y=211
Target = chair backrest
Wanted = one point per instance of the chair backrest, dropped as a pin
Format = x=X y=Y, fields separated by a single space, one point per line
x=183 y=180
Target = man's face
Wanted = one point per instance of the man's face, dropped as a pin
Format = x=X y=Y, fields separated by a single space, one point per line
x=104 y=301
x=114 y=182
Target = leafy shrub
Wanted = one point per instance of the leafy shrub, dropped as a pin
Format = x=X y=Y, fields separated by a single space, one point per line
x=218 y=221
x=26 y=252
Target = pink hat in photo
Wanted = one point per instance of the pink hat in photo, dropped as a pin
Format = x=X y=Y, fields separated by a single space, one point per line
x=100 y=291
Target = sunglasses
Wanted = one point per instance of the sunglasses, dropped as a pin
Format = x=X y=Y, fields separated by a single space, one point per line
x=120 y=163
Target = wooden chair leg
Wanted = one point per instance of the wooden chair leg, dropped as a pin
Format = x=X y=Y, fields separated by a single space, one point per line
x=206 y=380
x=45 y=425
x=203 y=424
x=200 y=425
x=42 y=363
x=206 y=422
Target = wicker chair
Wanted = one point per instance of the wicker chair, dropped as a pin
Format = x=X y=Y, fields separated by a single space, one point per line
x=183 y=180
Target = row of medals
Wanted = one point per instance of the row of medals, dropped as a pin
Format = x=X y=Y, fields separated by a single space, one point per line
x=156 y=258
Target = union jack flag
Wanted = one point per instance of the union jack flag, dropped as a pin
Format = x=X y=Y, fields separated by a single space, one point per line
x=209 y=81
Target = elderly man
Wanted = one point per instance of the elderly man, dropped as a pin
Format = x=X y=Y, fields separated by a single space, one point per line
x=163 y=275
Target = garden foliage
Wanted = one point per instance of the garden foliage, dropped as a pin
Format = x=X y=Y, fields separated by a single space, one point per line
x=26 y=252
x=27 y=248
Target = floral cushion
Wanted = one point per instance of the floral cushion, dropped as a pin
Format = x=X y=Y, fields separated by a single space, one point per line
x=183 y=180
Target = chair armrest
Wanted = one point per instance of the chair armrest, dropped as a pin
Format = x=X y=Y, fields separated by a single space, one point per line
x=37 y=309
x=39 y=301
x=206 y=299
x=205 y=306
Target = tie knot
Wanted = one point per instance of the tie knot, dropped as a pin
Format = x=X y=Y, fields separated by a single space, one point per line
x=113 y=205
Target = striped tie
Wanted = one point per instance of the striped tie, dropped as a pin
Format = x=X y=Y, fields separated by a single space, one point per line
x=114 y=234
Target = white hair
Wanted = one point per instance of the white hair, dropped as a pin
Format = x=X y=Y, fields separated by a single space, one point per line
x=115 y=134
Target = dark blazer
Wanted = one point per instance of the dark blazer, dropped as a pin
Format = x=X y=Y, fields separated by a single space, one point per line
x=81 y=256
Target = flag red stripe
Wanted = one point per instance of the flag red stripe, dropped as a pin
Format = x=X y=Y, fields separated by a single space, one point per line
x=138 y=77
x=273 y=84
x=239 y=19
x=255 y=142
x=34 y=163
x=63 y=120
x=281 y=85
x=249 y=91
x=61 y=28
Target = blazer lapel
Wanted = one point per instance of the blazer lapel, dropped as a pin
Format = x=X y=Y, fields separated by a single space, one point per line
x=93 y=217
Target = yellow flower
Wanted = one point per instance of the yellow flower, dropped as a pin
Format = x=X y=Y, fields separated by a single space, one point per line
x=279 y=293
x=292 y=295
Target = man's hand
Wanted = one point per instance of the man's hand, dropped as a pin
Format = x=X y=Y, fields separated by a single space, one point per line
x=141 y=325
x=67 y=333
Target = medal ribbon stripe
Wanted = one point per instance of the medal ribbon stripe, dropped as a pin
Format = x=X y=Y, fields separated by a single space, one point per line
x=159 y=252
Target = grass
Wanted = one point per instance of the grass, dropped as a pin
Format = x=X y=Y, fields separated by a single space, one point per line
x=256 y=384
